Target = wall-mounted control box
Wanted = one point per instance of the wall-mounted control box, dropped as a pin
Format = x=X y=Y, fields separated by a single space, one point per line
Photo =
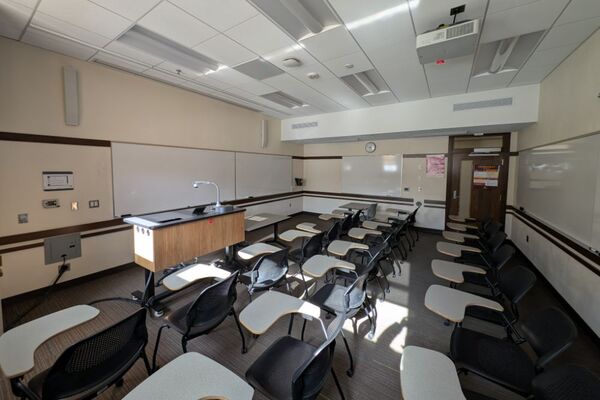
x=57 y=180
x=50 y=203
x=61 y=247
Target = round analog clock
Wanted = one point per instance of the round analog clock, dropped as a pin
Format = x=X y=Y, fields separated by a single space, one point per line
x=370 y=147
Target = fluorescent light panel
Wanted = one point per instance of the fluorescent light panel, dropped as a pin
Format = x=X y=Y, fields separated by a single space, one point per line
x=284 y=99
x=159 y=46
x=300 y=18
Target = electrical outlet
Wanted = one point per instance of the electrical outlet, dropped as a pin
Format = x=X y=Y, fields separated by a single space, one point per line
x=50 y=203
x=23 y=218
x=94 y=203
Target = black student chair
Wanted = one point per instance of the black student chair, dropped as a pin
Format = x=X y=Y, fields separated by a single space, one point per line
x=513 y=284
x=309 y=248
x=567 y=382
x=200 y=317
x=269 y=271
x=493 y=263
x=332 y=234
x=549 y=333
x=89 y=367
x=291 y=369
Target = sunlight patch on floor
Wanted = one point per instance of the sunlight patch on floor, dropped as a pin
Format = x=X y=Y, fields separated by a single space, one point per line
x=391 y=320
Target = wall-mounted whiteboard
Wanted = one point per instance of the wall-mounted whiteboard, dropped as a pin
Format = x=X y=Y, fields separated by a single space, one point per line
x=262 y=174
x=560 y=184
x=150 y=178
x=374 y=175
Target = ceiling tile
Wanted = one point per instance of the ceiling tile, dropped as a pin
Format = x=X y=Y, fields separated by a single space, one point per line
x=177 y=69
x=163 y=76
x=402 y=72
x=57 y=44
x=132 y=9
x=377 y=23
x=528 y=75
x=491 y=81
x=330 y=44
x=257 y=88
x=220 y=14
x=578 y=10
x=86 y=15
x=449 y=78
x=551 y=56
x=231 y=76
x=301 y=73
x=13 y=18
x=428 y=15
x=207 y=80
x=26 y=3
x=283 y=82
x=118 y=62
x=337 y=90
x=225 y=50
x=530 y=17
x=358 y=60
x=59 y=26
x=295 y=51
x=573 y=33
x=260 y=35
x=173 y=23
x=381 y=99
x=503 y=5
x=121 y=48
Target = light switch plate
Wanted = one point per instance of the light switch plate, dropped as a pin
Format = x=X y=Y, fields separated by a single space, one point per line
x=23 y=218
x=74 y=206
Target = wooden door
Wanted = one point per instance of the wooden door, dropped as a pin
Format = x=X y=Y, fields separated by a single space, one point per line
x=488 y=193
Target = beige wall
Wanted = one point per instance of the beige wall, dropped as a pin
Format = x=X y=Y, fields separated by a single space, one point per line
x=569 y=101
x=432 y=145
x=121 y=106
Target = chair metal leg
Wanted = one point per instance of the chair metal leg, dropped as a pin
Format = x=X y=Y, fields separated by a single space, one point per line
x=337 y=384
x=184 y=344
x=155 y=353
x=144 y=357
x=291 y=324
x=349 y=371
x=303 y=329
x=237 y=322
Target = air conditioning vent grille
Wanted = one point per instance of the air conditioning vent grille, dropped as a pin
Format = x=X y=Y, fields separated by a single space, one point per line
x=506 y=101
x=301 y=125
x=460 y=30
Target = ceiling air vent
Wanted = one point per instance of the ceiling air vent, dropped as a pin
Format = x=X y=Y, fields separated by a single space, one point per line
x=258 y=69
x=366 y=83
x=284 y=99
x=301 y=125
x=505 y=101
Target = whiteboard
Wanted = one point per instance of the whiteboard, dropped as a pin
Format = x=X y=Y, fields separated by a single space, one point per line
x=374 y=175
x=559 y=184
x=262 y=174
x=150 y=178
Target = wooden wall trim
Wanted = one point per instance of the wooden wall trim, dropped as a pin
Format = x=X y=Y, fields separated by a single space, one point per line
x=26 y=137
x=317 y=157
x=389 y=199
x=572 y=248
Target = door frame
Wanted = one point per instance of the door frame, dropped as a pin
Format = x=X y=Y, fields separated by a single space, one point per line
x=504 y=154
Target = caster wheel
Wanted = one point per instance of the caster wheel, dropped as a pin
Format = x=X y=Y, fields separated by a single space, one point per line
x=446 y=323
x=350 y=373
x=135 y=298
x=158 y=314
x=244 y=351
x=370 y=336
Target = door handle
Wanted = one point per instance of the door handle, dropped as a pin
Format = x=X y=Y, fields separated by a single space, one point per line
x=454 y=195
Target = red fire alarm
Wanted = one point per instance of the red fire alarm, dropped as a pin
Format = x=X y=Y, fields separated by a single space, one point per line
x=210 y=220
x=440 y=61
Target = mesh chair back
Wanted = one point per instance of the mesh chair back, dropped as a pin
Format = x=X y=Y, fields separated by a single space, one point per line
x=515 y=282
x=270 y=269
x=346 y=225
x=549 y=332
x=313 y=246
x=213 y=303
x=356 y=218
x=502 y=256
x=495 y=241
x=97 y=361
x=371 y=211
x=310 y=378
x=334 y=232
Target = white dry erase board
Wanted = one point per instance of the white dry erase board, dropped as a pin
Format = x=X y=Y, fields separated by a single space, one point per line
x=262 y=174
x=373 y=175
x=560 y=185
x=149 y=178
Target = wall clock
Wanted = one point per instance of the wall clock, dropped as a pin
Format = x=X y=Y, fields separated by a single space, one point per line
x=370 y=147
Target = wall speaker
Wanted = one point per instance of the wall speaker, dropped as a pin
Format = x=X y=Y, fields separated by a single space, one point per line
x=71 y=92
x=264 y=133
